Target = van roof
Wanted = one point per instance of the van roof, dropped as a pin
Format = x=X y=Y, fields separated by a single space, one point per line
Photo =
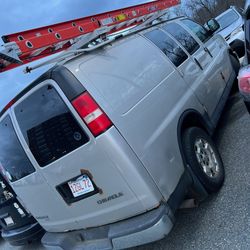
x=60 y=70
x=58 y=73
x=117 y=40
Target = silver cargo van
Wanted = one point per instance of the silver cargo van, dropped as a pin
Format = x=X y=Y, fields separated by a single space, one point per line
x=107 y=144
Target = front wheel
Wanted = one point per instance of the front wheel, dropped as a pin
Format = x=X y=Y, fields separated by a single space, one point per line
x=235 y=63
x=203 y=158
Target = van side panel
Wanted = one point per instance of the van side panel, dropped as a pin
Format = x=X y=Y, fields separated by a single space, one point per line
x=129 y=71
x=143 y=102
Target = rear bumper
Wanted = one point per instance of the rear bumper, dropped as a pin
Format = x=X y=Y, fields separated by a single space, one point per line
x=142 y=229
x=23 y=235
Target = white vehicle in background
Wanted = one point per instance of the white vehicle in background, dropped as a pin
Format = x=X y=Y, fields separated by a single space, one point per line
x=231 y=28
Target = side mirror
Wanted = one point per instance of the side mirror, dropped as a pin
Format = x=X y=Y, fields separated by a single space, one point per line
x=212 y=25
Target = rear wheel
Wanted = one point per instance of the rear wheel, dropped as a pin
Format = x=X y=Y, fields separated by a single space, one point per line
x=235 y=63
x=203 y=158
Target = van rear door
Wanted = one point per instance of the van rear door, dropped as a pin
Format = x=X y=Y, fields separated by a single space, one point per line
x=65 y=158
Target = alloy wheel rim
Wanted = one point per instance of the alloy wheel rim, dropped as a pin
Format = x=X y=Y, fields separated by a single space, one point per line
x=206 y=158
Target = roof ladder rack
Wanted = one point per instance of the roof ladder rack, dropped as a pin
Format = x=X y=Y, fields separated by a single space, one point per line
x=27 y=46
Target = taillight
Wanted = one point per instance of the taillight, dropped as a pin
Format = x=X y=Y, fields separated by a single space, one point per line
x=9 y=104
x=244 y=80
x=96 y=120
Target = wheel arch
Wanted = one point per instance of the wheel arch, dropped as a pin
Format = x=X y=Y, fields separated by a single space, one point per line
x=192 y=118
x=232 y=53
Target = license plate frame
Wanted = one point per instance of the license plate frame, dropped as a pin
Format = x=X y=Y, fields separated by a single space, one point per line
x=66 y=193
x=81 y=186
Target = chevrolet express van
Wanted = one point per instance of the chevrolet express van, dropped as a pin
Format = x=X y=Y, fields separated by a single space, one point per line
x=108 y=144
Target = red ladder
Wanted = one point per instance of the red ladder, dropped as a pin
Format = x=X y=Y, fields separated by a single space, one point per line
x=27 y=46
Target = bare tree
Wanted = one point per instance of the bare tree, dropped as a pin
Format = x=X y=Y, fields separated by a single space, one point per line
x=178 y=11
x=203 y=10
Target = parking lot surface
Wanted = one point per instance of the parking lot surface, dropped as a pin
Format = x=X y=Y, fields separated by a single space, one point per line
x=223 y=220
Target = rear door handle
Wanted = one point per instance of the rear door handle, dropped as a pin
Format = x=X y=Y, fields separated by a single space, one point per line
x=197 y=62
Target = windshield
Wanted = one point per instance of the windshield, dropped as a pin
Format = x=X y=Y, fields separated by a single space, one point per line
x=227 y=19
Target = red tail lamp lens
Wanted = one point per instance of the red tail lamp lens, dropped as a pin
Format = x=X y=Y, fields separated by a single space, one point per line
x=96 y=120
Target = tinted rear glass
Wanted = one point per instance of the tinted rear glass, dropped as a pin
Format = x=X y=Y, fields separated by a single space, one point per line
x=14 y=163
x=48 y=126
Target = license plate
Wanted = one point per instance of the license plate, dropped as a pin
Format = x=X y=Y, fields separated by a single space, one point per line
x=9 y=221
x=82 y=185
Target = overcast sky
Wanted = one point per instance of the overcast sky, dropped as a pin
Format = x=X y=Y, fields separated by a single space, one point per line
x=17 y=15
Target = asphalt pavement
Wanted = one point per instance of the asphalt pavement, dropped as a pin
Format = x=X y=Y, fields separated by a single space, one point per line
x=223 y=220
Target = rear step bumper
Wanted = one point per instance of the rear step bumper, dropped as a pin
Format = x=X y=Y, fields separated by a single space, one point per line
x=142 y=229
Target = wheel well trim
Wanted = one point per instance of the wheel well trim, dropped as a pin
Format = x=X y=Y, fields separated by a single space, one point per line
x=183 y=123
x=232 y=53
x=202 y=121
x=188 y=179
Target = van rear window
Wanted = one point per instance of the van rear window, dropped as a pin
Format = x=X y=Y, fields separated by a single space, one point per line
x=48 y=126
x=14 y=164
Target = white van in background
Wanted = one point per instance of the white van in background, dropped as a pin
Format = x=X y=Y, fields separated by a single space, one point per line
x=231 y=28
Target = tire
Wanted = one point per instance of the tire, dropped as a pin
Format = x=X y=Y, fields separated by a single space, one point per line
x=239 y=47
x=206 y=164
x=235 y=63
x=236 y=66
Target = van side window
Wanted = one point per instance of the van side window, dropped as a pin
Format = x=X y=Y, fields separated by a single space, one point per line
x=48 y=126
x=197 y=29
x=169 y=47
x=182 y=36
